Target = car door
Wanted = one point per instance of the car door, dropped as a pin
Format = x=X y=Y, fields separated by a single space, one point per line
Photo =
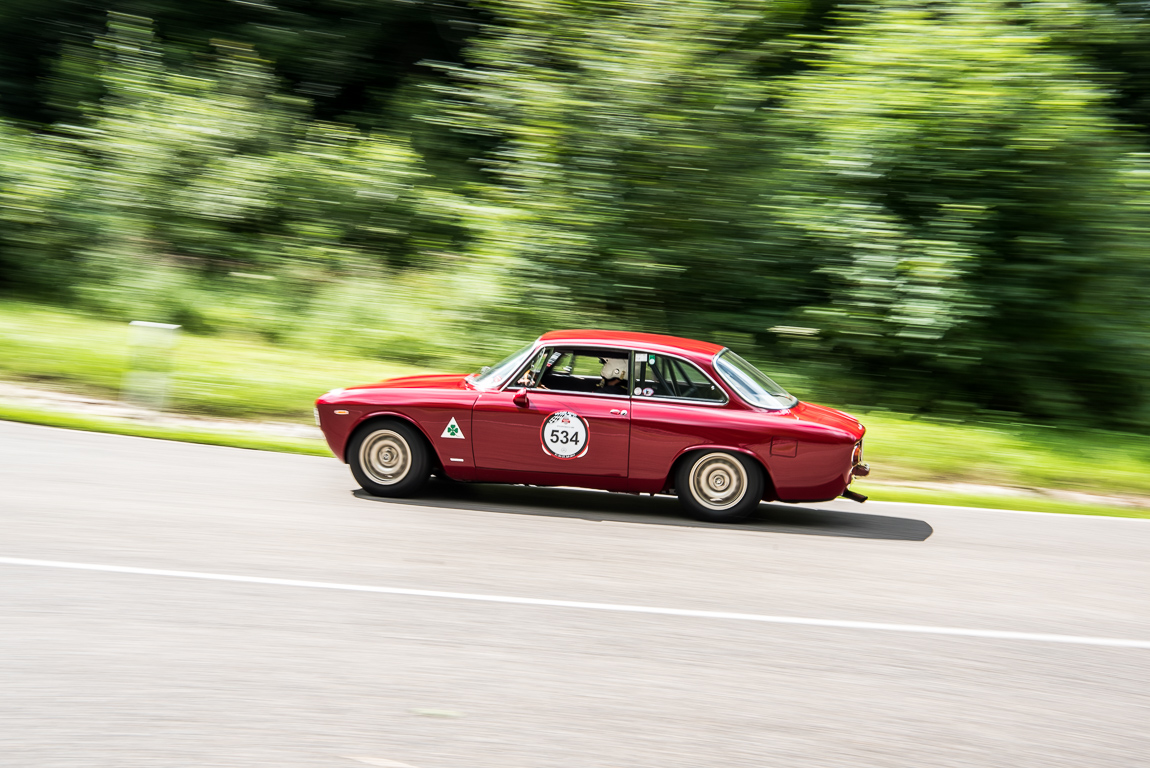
x=530 y=427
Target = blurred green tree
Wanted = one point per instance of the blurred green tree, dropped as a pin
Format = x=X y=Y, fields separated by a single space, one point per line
x=201 y=171
x=347 y=57
x=45 y=192
x=631 y=147
x=932 y=206
x=972 y=207
x=938 y=201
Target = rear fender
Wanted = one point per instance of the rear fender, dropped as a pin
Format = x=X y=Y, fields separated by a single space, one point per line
x=768 y=486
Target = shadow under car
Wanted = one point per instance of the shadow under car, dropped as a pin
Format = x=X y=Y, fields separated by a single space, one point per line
x=655 y=510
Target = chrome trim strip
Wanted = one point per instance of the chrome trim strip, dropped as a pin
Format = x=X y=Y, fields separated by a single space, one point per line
x=679 y=401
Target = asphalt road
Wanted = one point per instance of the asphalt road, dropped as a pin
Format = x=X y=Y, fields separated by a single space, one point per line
x=612 y=646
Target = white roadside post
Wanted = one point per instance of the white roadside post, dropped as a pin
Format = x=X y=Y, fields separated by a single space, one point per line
x=149 y=364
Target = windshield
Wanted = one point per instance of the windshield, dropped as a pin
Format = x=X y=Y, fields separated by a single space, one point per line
x=492 y=377
x=753 y=385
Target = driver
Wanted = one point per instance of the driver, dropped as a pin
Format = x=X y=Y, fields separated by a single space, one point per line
x=614 y=376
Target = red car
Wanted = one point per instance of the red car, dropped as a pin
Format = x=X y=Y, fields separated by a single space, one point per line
x=631 y=412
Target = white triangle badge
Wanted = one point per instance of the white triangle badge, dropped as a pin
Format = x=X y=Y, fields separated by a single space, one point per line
x=452 y=430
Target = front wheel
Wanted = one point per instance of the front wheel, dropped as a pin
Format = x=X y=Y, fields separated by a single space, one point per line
x=719 y=487
x=389 y=459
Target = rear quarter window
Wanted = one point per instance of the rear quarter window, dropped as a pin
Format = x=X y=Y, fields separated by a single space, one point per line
x=663 y=376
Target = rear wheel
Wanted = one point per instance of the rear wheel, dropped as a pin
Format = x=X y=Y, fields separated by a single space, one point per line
x=719 y=487
x=389 y=458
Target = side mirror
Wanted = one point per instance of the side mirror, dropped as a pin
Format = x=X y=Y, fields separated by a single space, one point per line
x=520 y=398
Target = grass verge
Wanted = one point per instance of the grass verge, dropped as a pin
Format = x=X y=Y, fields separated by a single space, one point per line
x=236 y=377
x=903 y=448
x=877 y=492
x=110 y=426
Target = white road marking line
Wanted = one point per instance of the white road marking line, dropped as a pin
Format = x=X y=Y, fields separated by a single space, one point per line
x=991 y=634
x=380 y=761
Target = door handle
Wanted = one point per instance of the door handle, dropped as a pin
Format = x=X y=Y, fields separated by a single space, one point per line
x=617 y=412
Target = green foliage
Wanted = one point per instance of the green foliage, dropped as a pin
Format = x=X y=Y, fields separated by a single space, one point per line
x=940 y=185
x=631 y=151
x=1006 y=454
x=235 y=439
x=346 y=56
x=219 y=206
x=990 y=500
x=235 y=376
x=44 y=193
x=937 y=208
x=935 y=205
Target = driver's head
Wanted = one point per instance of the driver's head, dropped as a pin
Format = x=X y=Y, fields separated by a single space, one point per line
x=613 y=368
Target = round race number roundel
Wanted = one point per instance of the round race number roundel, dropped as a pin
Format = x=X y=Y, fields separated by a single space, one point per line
x=564 y=435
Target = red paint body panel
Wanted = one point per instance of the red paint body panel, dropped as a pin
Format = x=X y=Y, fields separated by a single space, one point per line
x=518 y=476
x=507 y=435
x=429 y=409
x=662 y=431
x=632 y=443
x=437 y=381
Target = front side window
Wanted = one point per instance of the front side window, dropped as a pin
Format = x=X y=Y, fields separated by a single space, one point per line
x=529 y=377
x=597 y=371
x=751 y=384
x=664 y=376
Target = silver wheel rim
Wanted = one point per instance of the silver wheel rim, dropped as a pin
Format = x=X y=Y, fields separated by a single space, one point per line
x=718 y=481
x=385 y=457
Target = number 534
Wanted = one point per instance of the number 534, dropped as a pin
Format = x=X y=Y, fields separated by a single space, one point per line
x=563 y=437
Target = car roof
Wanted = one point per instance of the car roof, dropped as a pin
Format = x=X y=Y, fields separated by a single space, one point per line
x=650 y=342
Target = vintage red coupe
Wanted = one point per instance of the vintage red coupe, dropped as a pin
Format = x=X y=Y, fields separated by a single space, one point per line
x=630 y=412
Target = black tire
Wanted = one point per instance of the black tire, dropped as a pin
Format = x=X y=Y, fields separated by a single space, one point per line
x=719 y=487
x=389 y=458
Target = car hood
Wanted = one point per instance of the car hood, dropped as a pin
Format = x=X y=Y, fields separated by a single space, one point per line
x=437 y=381
x=829 y=417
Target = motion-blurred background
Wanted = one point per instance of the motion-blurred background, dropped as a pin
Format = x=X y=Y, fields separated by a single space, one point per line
x=939 y=209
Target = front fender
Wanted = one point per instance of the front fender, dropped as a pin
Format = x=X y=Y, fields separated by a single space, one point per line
x=366 y=417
